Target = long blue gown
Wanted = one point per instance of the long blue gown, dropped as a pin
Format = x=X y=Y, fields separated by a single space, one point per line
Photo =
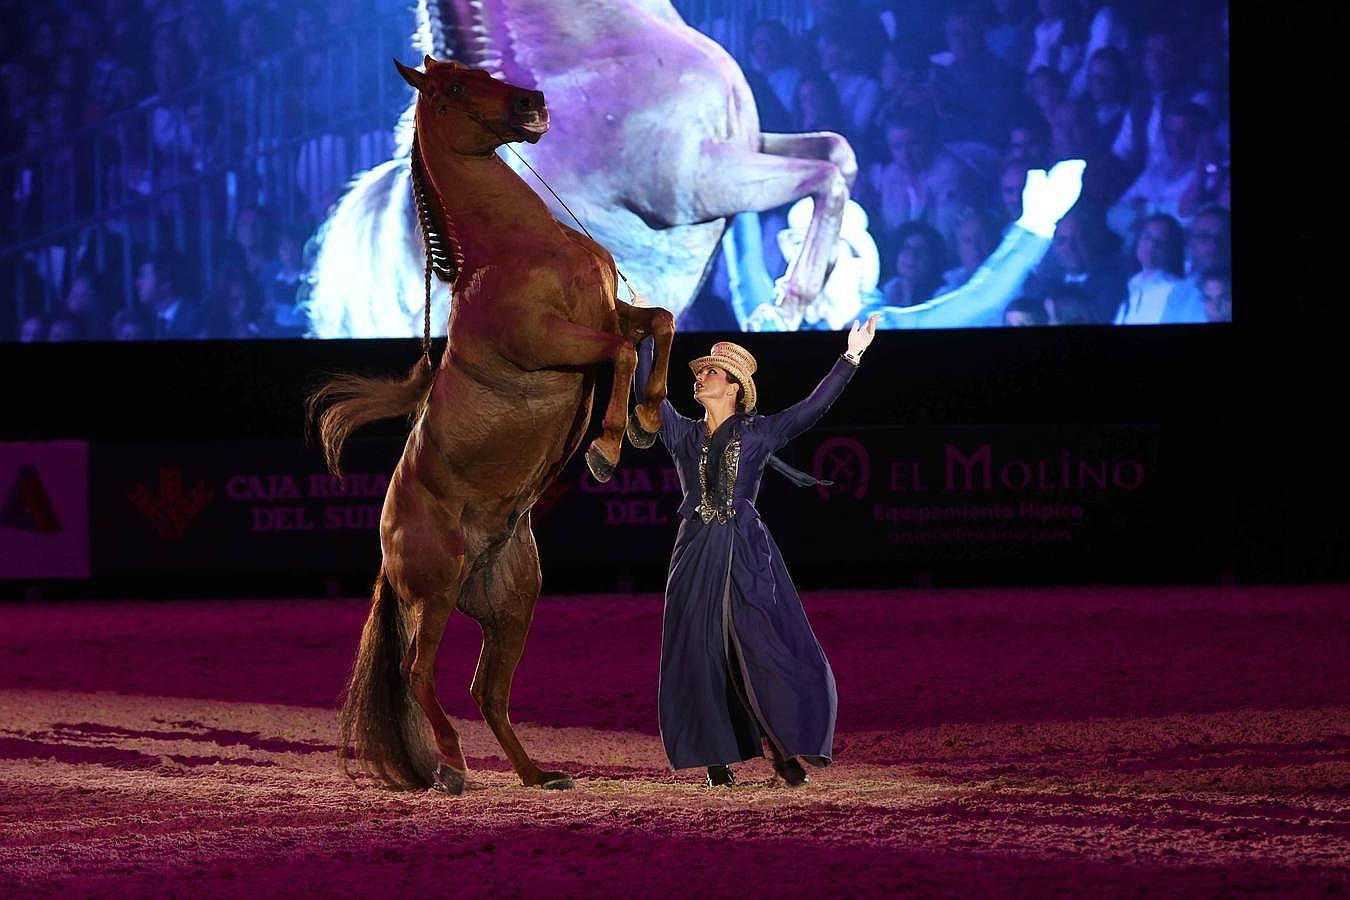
x=739 y=661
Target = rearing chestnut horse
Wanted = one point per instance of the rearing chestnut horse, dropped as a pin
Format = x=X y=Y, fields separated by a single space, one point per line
x=534 y=314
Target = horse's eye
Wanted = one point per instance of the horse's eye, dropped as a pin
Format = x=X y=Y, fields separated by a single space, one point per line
x=455 y=90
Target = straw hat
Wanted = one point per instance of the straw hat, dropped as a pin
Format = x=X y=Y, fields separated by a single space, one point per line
x=736 y=360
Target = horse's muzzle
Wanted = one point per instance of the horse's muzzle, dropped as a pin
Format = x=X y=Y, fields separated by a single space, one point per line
x=533 y=124
x=529 y=114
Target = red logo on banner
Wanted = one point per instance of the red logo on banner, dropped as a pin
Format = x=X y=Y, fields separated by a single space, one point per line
x=171 y=511
x=845 y=462
x=27 y=505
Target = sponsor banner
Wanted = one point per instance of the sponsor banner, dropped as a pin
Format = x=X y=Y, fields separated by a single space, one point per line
x=921 y=497
x=44 y=510
x=255 y=506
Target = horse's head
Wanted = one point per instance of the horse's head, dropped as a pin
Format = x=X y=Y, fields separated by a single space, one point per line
x=472 y=111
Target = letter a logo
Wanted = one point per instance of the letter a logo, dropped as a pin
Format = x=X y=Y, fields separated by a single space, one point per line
x=27 y=505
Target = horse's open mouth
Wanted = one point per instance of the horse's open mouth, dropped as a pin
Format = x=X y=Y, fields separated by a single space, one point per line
x=534 y=126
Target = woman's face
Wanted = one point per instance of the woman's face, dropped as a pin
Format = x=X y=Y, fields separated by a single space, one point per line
x=1160 y=60
x=1024 y=144
x=915 y=258
x=1070 y=130
x=1206 y=241
x=1218 y=296
x=1153 y=244
x=1181 y=137
x=712 y=384
x=973 y=243
x=909 y=147
x=1071 y=245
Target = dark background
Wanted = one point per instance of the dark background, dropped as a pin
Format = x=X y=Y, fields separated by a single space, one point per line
x=1252 y=459
x=1250 y=415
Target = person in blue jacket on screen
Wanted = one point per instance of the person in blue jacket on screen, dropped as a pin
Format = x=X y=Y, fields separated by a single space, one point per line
x=979 y=303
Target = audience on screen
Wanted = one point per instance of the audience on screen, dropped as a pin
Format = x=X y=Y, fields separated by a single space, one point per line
x=187 y=150
x=1208 y=250
x=919 y=257
x=1159 y=250
x=1024 y=312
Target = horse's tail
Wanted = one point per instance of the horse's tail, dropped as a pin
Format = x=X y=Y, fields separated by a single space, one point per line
x=380 y=724
x=346 y=402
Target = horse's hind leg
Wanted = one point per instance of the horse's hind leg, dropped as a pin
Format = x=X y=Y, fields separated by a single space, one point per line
x=505 y=609
x=736 y=179
x=419 y=667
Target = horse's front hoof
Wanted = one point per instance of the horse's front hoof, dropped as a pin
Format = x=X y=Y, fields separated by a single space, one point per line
x=602 y=469
x=637 y=435
x=556 y=781
x=449 y=781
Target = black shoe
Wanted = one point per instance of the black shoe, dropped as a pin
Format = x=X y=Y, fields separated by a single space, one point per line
x=790 y=771
x=720 y=776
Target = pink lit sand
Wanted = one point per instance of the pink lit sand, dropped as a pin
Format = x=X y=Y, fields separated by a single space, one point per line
x=1070 y=742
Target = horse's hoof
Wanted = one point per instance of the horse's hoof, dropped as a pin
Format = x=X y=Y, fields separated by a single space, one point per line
x=602 y=469
x=556 y=781
x=449 y=781
x=637 y=435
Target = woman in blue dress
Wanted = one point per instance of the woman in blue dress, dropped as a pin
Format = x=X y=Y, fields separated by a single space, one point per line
x=740 y=665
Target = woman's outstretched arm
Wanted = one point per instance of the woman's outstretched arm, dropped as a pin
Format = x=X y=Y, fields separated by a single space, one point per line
x=797 y=418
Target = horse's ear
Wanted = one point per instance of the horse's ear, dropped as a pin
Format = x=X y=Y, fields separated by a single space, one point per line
x=428 y=62
x=415 y=78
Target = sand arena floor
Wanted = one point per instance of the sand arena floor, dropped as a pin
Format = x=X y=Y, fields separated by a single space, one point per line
x=1070 y=742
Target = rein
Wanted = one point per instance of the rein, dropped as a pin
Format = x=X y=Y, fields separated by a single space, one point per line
x=481 y=121
x=435 y=254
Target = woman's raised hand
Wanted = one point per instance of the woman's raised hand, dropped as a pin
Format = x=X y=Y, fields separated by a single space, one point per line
x=861 y=334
